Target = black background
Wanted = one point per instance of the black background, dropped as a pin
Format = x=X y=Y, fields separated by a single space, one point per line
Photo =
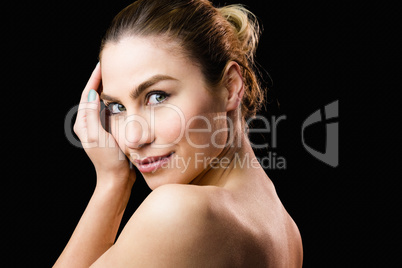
x=315 y=53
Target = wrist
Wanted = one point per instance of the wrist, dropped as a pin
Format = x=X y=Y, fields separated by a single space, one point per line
x=113 y=194
x=119 y=183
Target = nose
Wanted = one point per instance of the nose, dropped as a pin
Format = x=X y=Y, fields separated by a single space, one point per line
x=137 y=132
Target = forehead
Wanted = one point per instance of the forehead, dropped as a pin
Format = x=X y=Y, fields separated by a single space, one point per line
x=139 y=58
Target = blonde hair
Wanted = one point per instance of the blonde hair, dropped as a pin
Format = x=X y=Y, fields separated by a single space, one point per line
x=211 y=36
x=246 y=25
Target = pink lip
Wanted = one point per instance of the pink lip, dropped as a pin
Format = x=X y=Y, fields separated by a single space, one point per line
x=150 y=164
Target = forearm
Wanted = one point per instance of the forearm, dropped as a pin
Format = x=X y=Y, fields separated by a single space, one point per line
x=97 y=228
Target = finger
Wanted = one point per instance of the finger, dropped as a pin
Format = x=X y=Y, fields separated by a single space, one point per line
x=93 y=122
x=93 y=83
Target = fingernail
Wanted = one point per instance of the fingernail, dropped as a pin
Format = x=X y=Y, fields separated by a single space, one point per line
x=92 y=95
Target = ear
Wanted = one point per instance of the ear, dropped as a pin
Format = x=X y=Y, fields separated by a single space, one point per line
x=234 y=85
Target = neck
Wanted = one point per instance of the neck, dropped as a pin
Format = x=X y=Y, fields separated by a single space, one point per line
x=234 y=162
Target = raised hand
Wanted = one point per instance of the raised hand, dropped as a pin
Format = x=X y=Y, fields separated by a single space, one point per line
x=110 y=163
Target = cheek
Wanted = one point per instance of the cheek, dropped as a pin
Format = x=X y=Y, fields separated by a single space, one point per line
x=199 y=131
x=169 y=126
x=207 y=131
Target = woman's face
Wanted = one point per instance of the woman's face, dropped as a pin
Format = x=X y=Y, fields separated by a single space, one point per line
x=161 y=113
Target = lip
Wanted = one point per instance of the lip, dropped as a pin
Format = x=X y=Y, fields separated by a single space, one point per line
x=150 y=164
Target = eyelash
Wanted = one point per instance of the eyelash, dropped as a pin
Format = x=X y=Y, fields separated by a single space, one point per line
x=161 y=93
x=109 y=106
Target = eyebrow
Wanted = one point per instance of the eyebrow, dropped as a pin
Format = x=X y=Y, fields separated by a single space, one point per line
x=141 y=88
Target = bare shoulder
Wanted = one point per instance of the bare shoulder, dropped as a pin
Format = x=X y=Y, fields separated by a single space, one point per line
x=176 y=226
x=176 y=198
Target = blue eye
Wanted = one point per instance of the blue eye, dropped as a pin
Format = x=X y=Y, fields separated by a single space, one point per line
x=156 y=98
x=115 y=108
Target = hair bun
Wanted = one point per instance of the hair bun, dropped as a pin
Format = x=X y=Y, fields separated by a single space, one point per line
x=246 y=26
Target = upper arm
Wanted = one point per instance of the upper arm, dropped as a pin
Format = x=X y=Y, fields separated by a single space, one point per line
x=174 y=227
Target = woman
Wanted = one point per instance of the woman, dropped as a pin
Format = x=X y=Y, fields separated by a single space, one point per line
x=177 y=79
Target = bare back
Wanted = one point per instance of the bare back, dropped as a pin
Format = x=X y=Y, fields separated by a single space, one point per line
x=260 y=224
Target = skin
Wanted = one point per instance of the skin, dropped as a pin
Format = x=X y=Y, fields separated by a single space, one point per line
x=200 y=215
